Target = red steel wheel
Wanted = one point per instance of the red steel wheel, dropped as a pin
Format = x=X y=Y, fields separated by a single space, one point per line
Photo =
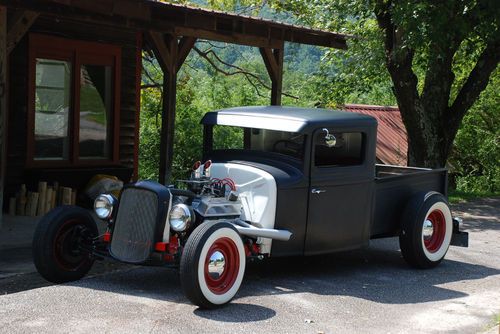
x=221 y=266
x=66 y=245
x=212 y=264
x=61 y=244
x=434 y=231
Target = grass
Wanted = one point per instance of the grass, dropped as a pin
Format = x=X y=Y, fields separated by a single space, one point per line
x=457 y=196
x=495 y=322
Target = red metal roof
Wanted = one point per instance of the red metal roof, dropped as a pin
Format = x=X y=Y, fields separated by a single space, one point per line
x=392 y=141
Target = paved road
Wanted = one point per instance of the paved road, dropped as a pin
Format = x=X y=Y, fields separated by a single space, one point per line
x=357 y=292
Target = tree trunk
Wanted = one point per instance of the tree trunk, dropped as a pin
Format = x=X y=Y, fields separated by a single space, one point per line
x=431 y=122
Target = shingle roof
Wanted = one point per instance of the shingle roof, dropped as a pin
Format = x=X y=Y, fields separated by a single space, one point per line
x=392 y=140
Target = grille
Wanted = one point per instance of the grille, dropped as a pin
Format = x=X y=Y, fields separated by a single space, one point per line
x=135 y=223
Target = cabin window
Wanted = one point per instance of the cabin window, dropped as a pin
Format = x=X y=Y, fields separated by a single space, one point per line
x=348 y=149
x=73 y=102
x=96 y=103
x=52 y=105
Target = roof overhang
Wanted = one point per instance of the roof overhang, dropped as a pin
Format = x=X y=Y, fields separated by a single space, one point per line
x=182 y=20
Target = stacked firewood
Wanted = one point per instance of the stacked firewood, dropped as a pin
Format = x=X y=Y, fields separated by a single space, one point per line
x=38 y=203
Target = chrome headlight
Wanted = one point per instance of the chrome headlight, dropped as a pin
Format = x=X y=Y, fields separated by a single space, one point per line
x=180 y=217
x=103 y=206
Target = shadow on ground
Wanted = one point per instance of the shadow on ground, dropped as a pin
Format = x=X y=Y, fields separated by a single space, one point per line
x=377 y=274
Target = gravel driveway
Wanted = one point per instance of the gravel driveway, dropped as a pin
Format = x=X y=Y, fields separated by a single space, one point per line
x=357 y=292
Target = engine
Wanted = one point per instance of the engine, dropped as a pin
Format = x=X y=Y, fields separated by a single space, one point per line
x=215 y=198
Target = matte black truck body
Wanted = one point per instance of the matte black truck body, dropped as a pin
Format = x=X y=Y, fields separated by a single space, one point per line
x=299 y=182
x=355 y=203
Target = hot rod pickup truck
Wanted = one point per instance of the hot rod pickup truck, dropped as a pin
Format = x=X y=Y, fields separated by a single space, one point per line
x=297 y=182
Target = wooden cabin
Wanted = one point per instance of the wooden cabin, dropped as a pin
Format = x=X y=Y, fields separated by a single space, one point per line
x=70 y=75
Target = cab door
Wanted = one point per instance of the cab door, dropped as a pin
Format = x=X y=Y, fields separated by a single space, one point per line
x=341 y=189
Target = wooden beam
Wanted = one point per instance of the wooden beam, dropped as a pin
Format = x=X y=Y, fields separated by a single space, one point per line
x=233 y=38
x=185 y=46
x=168 y=111
x=273 y=59
x=20 y=24
x=3 y=101
x=270 y=62
x=160 y=50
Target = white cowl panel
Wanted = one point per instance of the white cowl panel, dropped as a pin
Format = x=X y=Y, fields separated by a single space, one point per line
x=257 y=192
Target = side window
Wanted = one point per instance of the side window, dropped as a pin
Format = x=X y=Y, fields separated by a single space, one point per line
x=344 y=149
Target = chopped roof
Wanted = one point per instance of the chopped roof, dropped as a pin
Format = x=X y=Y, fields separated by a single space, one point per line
x=291 y=119
x=392 y=140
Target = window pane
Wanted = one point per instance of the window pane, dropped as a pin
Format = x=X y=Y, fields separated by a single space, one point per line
x=96 y=104
x=287 y=143
x=348 y=150
x=228 y=138
x=272 y=141
x=52 y=99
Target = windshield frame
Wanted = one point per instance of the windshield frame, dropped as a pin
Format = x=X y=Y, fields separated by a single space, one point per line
x=208 y=146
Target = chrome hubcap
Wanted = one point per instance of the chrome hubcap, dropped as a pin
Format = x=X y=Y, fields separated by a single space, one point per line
x=428 y=229
x=216 y=265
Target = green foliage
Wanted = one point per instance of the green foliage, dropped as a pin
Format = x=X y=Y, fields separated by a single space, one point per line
x=475 y=160
x=328 y=78
x=200 y=88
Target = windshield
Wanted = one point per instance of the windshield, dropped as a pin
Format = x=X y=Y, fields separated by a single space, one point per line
x=235 y=138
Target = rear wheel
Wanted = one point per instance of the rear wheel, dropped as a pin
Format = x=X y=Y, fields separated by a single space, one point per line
x=212 y=264
x=60 y=242
x=426 y=231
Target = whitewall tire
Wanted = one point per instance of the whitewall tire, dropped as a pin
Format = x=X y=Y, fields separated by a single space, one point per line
x=212 y=264
x=426 y=231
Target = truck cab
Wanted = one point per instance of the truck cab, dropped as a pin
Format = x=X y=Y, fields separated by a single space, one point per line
x=323 y=161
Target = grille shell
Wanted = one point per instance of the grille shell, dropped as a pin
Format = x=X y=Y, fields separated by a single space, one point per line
x=135 y=225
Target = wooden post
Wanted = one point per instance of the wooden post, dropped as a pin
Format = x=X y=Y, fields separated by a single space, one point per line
x=170 y=55
x=168 y=112
x=273 y=59
x=3 y=100
x=277 y=86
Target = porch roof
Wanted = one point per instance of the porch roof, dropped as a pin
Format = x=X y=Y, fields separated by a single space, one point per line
x=182 y=20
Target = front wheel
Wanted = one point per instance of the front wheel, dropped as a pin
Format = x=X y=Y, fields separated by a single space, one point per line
x=426 y=230
x=59 y=244
x=212 y=264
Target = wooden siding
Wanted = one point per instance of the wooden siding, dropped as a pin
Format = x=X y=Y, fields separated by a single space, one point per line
x=17 y=137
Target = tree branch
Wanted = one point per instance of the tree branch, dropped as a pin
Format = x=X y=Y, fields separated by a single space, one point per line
x=439 y=75
x=238 y=70
x=477 y=80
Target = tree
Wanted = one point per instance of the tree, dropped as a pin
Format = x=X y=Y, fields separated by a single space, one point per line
x=439 y=56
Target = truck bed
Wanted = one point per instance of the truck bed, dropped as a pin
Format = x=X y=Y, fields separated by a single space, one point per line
x=394 y=186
